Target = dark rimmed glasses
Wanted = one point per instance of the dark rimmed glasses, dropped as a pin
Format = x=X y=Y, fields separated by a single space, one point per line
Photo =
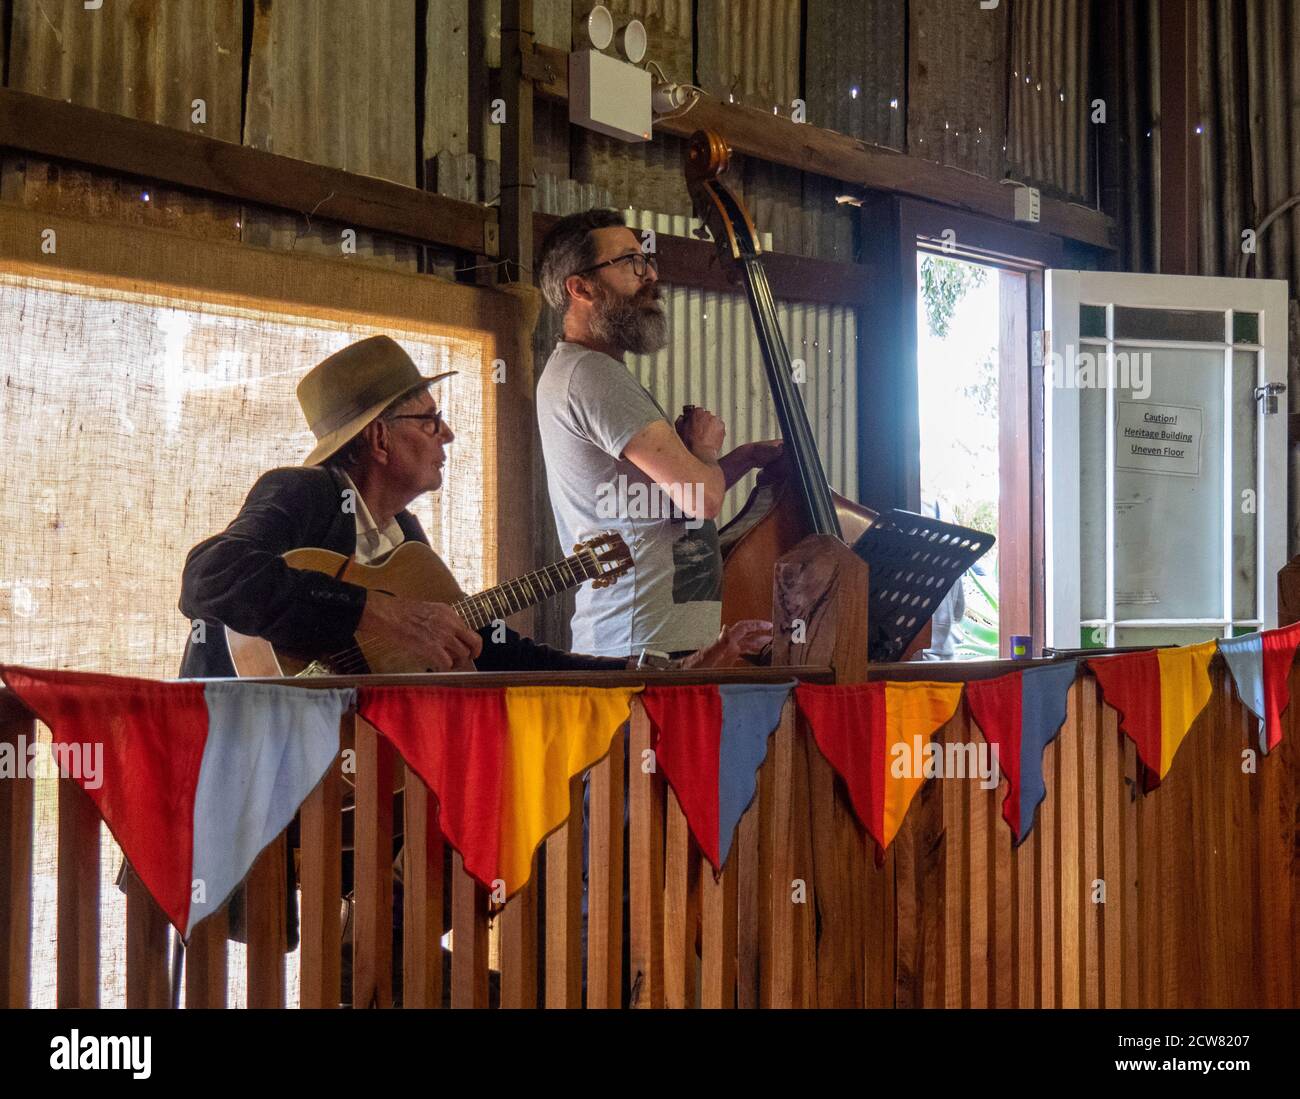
x=434 y=417
x=641 y=263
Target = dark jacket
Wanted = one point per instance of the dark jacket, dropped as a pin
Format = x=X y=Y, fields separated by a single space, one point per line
x=238 y=578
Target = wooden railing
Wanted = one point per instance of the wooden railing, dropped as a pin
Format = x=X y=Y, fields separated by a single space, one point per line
x=1199 y=883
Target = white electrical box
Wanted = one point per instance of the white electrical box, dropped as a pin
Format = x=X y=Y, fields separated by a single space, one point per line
x=609 y=96
x=1027 y=204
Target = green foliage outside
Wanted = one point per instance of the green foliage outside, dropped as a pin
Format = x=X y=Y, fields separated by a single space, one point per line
x=944 y=283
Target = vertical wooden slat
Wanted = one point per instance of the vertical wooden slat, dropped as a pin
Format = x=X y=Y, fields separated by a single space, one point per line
x=148 y=949
x=564 y=907
x=749 y=892
x=645 y=869
x=1129 y=815
x=1028 y=921
x=422 y=896
x=766 y=880
x=267 y=934
x=372 y=924
x=1068 y=839
x=1091 y=802
x=956 y=916
x=605 y=879
x=979 y=893
x=1049 y=881
x=78 y=919
x=321 y=837
x=681 y=884
x=518 y=923
x=1112 y=797
x=469 y=938
x=1004 y=901
x=17 y=801
x=205 y=963
x=718 y=936
x=837 y=942
x=781 y=947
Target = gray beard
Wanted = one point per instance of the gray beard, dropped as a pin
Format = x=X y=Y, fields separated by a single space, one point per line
x=625 y=324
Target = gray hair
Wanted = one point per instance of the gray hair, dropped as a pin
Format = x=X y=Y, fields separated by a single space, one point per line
x=568 y=249
x=348 y=456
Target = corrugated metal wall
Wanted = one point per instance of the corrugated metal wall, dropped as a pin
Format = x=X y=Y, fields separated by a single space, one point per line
x=149 y=60
x=329 y=87
x=749 y=51
x=1050 y=136
x=855 y=68
x=957 y=84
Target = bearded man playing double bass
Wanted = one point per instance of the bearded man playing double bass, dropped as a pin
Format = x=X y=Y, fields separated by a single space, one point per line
x=604 y=436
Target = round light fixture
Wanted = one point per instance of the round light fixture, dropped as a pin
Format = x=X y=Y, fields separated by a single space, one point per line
x=632 y=41
x=600 y=27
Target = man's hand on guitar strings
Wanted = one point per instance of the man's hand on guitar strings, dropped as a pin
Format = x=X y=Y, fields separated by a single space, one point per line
x=431 y=631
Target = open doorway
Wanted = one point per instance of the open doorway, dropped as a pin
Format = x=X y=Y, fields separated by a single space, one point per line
x=971 y=387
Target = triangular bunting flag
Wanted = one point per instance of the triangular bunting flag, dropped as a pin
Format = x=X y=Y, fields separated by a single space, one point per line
x=454 y=738
x=866 y=732
x=1020 y=714
x=1158 y=694
x=196 y=778
x=555 y=733
x=1260 y=664
x=499 y=761
x=710 y=742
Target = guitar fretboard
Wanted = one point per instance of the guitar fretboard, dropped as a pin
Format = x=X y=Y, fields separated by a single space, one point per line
x=524 y=591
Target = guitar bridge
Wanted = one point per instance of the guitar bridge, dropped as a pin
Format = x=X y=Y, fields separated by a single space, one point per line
x=314 y=670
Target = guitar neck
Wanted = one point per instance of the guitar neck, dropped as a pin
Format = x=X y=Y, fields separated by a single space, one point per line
x=522 y=592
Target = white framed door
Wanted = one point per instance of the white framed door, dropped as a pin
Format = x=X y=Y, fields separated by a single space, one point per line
x=1165 y=484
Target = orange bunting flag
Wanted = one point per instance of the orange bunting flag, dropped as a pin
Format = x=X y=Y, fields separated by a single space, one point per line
x=874 y=735
x=1158 y=694
x=499 y=761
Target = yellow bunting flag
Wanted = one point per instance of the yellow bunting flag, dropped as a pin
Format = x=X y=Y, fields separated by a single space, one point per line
x=554 y=734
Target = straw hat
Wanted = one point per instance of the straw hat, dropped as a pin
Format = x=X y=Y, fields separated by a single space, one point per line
x=342 y=394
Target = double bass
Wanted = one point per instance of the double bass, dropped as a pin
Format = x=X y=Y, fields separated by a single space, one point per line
x=784 y=507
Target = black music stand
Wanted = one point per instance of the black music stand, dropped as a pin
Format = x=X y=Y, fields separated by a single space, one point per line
x=914 y=561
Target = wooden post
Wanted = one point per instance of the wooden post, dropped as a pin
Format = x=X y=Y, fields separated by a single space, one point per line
x=422 y=896
x=605 y=879
x=372 y=937
x=148 y=949
x=321 y=834
x=205 y=963
x=267 y=933
x=17 y=729
x=646 y=868
x=564 y=907
x=469 y=938
x=78 y=921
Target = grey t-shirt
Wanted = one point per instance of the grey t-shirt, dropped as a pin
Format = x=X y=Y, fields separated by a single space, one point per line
x=589 y=407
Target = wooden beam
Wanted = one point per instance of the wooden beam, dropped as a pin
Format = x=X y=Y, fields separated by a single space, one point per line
x=65 y=131
x=684 y=261
x=826 y=153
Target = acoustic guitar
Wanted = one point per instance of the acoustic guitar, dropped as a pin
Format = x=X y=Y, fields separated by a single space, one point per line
x=414 y=571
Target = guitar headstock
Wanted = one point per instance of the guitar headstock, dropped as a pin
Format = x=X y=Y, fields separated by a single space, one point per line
x=605 y=557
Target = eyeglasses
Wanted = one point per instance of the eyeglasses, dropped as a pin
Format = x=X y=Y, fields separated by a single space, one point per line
x=434 y=418
x=639 y=260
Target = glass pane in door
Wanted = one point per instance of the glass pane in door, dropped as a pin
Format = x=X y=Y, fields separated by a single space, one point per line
x=1169 y=483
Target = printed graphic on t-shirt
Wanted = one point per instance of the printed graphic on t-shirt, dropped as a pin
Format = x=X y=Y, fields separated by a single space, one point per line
x=697 y=565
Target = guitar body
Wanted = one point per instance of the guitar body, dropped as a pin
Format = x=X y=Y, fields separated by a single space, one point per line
x=411 y=571
x=414 y=572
